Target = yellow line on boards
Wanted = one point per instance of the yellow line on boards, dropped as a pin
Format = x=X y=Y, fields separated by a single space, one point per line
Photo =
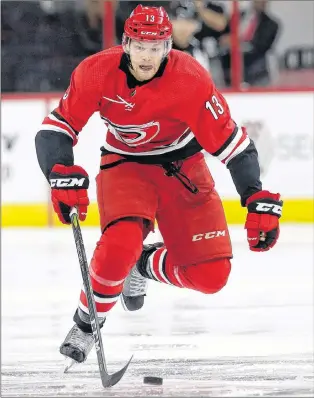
x=37 y=214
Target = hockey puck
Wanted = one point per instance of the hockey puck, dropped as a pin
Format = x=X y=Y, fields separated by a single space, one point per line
x=157 y=381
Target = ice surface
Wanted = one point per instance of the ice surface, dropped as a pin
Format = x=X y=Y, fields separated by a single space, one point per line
x=254 y=338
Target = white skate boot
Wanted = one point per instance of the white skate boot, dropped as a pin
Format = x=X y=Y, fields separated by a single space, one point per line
x=136 y=283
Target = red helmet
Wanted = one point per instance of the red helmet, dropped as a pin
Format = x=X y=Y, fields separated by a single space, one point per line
x=148 y=23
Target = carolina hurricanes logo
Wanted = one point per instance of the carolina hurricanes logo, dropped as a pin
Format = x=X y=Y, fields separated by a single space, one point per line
x=132 y=134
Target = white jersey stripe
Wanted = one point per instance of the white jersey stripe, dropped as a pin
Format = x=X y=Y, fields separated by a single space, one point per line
x=239 y=149
x=53 y=118
x=52 y=127
x=226 y=152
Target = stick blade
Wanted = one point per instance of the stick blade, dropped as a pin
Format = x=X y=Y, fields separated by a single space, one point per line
x=111 y=380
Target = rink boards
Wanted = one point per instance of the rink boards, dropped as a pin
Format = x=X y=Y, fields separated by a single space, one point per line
x=281 y=124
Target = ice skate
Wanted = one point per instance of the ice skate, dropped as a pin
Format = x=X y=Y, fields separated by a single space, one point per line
x=135 y=285
x=79 y=341
x=77 y=344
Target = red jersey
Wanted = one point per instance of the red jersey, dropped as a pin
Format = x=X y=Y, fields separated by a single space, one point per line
x=179 y=111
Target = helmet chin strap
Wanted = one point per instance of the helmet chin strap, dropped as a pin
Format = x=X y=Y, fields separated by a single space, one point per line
x=129 y=60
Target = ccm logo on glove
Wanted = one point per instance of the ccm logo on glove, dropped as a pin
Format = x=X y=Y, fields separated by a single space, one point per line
x=67 y=182
x=262 y=221
x=267 y=207
x=69 y=186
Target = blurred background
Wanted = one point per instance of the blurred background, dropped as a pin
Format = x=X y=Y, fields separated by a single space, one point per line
x=255 y=43
x=260 y=54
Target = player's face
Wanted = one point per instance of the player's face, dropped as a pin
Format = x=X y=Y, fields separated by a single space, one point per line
x=146 y=57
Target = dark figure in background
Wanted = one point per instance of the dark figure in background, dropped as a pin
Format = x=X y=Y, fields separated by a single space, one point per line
x=88 y=28
x=42 y=42
x=258 y=32
x=82 y=26
x=197 y=27
x=19 y=22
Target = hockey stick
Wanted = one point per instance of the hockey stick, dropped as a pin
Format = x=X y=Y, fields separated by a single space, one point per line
x=106 y=379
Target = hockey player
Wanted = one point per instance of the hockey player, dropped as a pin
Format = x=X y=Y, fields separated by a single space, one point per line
x=160 y=109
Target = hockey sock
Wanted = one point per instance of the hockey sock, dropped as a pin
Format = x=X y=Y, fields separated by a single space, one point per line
x=112 y=260
x=159 y=268
x=207 y=277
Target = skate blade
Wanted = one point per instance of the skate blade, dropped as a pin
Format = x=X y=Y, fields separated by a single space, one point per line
x=70 y=363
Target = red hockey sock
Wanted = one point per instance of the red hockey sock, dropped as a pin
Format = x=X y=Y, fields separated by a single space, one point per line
x=160 y=268
x=116 y=252
x=207 y=277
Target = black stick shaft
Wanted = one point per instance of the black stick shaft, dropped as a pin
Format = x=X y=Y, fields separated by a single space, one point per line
x=107 y=379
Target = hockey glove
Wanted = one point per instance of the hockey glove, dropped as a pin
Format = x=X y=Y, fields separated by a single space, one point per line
x=68 y=189
x=262 y=221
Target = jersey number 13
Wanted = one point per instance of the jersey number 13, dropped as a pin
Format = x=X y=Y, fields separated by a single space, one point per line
x=215 y=107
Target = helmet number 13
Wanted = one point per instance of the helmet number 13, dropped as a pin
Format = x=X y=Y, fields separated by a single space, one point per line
x=150 y=18
x=215 y=107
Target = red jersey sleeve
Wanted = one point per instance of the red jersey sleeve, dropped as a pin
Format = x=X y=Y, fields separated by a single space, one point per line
x=78 y=104
x=209 y=118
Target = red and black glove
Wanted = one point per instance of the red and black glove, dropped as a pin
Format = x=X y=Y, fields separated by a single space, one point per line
x=262 y=221
x=69 y=186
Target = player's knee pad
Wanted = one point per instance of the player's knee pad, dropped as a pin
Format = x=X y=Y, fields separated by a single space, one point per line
x=208 y=277
x=118 y=249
